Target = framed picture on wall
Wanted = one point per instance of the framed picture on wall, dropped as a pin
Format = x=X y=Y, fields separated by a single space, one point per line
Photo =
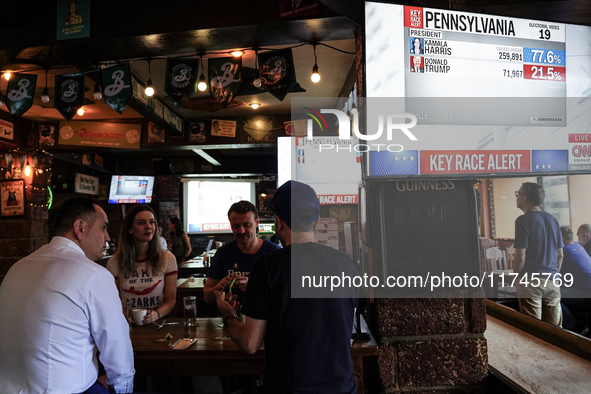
x=12 y=198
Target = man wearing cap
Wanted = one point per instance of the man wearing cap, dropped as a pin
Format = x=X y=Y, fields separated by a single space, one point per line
x=306 y=334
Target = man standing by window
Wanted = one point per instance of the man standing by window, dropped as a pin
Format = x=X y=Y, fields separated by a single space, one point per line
x=538 y=254
x=584 y=237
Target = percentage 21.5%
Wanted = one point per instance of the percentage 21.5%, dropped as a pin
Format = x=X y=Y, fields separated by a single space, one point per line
x=544 y=73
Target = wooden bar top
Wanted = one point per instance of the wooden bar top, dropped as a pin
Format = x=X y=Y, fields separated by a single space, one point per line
x=533 y=365
x=186 y=283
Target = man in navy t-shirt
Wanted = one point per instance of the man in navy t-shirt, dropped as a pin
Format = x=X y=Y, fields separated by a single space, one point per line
x=584 y=236
x=538 y=256
x=232 y=262
x=577 y=263
x=307 y=338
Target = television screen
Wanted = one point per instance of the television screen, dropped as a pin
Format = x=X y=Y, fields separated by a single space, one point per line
x=206 y=204
x=491 y=94
x=131 y=189
x=334 y=173
x=266 y=228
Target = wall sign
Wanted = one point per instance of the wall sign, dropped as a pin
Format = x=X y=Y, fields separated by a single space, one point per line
x=107 y=135
x=86 y=184
x=6 y=130
x=12 y=198
x=73 y=19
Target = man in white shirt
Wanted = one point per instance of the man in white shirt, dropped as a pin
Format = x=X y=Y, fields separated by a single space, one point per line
x=58 y=307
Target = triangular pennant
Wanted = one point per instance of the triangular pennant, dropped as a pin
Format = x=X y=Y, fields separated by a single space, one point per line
x=117 y=88
x=277 y=72
x=69 y=94
x=20 y=93
x=181 y=79
x=225 y=78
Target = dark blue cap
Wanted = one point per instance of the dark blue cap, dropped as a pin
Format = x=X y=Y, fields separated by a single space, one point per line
x=295 y=202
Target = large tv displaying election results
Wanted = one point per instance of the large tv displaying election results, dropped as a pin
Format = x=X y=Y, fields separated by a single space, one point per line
x=131 y=189
x=206 y=203
x=491 y=94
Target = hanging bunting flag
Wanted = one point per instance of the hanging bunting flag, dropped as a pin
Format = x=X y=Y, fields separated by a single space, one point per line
x=20 y=93
x=277 y=72
x=69 y=94
x=181 y=79
x=117 y=88
x=225 y=78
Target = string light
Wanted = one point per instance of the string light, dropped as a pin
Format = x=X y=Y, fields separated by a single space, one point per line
x=27 y=169
x=149 y=88
x=45 y=94
x=257 y=82
x=315 y=77
x=202 y=85
x=97 y=90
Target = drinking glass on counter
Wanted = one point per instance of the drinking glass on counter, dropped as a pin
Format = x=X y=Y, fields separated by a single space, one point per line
x=190 y=309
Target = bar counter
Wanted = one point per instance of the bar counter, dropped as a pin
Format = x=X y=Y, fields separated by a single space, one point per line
x=210 y=355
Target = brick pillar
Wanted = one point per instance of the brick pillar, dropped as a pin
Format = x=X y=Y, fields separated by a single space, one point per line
x=21 y=236
x=431 y=345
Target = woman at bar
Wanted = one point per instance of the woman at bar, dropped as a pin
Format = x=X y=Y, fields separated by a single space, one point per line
x=144 y=272
x=178 y=240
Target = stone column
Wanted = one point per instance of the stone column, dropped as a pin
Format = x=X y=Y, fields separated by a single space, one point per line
x=431 y=345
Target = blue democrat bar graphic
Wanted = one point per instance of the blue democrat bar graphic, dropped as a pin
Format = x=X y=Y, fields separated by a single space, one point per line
x=549 y=160
x=544 y=56
x=394 y=163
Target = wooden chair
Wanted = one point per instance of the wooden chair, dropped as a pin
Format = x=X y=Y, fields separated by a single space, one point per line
x=494 y=259
x=510 y=256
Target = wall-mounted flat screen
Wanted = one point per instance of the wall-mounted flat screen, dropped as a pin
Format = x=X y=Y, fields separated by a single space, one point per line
x=206 y=203
x=491 y=94
x=266 y=228
x=131 y=189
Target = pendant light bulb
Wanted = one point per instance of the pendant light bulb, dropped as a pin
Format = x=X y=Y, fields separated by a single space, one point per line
x=45 y=95
x=149 y=89
x=81 y=111
x=27 y=169
x=257 y=81
x=97 y=92
x=315 y=77
x=202 y=85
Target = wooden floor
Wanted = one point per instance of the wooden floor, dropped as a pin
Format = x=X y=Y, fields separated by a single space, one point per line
x=533 y=365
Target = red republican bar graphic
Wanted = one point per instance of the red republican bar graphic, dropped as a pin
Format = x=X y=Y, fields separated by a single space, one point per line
x=474 y=161
x=544 y=73
x=413 y=17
